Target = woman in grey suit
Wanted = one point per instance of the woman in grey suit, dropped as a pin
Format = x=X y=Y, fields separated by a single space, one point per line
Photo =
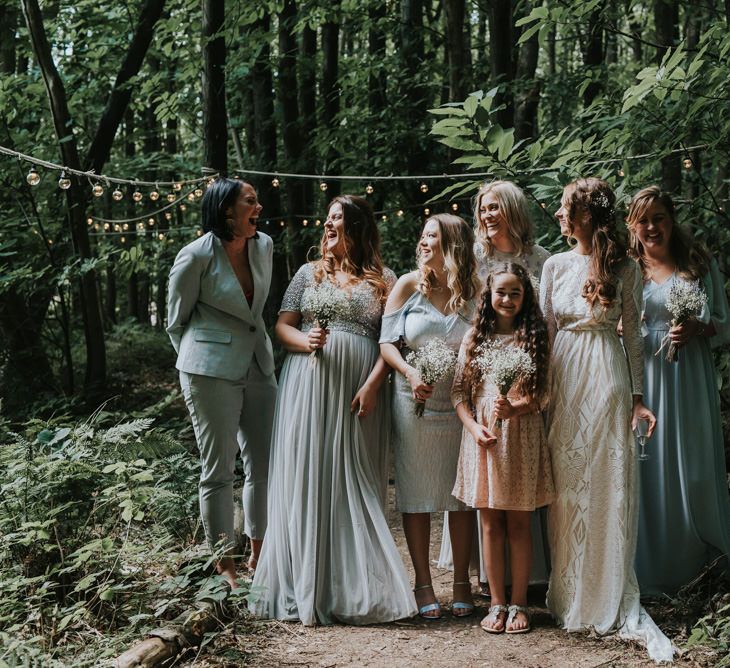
x=218 y=286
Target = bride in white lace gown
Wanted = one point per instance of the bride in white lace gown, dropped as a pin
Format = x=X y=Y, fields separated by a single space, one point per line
x=593 y=520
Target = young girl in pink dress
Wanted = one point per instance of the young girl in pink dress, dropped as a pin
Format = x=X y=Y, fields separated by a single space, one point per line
x=505 y=472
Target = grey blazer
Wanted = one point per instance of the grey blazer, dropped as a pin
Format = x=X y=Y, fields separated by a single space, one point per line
x=210 y=324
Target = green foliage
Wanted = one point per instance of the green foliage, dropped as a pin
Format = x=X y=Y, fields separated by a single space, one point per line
x=713 y=630
x=97 y=523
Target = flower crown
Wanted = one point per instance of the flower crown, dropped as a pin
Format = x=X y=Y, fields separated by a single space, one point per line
x=601 y=201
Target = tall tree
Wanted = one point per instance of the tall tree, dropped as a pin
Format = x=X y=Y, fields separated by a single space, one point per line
x=500 y=57
x=454 y=11
x=308 y=109
x=593 y=52
x=331 y=89
x=215 y=120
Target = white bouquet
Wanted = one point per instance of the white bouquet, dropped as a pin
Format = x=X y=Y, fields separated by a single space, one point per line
x=325 y=302
x=434 y=361
x=683 y=301
x=504 y=366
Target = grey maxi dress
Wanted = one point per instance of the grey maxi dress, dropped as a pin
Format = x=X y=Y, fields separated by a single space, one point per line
x=328 y=555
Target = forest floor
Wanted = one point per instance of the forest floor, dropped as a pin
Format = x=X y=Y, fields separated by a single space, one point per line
x=416 y=642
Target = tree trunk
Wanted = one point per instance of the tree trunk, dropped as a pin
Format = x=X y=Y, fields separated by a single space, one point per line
x=500 y=58
x=8 y=26
x=528 y=97
x=76 y=200
x=308 y=110
x=215 y=123
x=454 y=11
x=331 y=90
x=287 y=89
x=666 y=20
x=264 y=122
x=636 y=30
x=377 y=78
x=130 y=150
x=593 y=52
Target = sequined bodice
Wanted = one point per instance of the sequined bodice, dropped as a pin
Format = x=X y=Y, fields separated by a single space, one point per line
x=363 y=311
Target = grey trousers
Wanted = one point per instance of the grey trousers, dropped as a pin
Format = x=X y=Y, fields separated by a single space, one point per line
x=231 y=417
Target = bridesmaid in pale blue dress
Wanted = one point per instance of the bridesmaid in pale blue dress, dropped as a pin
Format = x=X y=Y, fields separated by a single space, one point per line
x=328 y=554
x=685 y=506
x=435 y=301
x=503 y=233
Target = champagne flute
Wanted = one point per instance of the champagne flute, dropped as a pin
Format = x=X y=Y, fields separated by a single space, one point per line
x=641 y=431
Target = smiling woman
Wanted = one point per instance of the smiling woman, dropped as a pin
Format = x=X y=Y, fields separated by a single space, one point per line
x=218 y=286
x=328 y=554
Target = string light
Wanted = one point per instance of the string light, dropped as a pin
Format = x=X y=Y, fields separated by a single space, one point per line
x=171 y=197
x=64 y=183
x=168 y=215
x=117 y=195
x=281 y=223
x=323 y=186
x=424 y=188
x=137 y=196
x=106 y=227
x=183 y=207
x=687 y=163
x=454 y=207
x=318 y=222
x=191 y=197
x=89 y=221
x=177 y=187
x=154 y=195
x=198 y=192
x=427 y=212
x=151 y=222
x=621 y=173
x=97 y=190
x=33 y=178
x=305 y=222
x=275 y=182
x=399 y=212
x=369 y=189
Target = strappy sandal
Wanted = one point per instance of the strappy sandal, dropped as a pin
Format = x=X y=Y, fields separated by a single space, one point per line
x=513 y=611
x=461 y=608
x=429 y=607
x=493 y=617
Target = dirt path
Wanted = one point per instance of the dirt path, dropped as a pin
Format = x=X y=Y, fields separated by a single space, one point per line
x=449 y=642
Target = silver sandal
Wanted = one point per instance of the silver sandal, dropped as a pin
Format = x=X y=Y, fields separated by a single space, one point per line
x=513 y=611
x=493 y=617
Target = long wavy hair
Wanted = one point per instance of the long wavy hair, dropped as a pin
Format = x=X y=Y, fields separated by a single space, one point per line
x=457 y=247
x=513 y=205
x=362 y=246
x=691 y=256
x=608 y=249
x=530 y=334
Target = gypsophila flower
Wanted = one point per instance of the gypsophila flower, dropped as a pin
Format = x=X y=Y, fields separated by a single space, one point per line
x=326 y=302
x=602 y=201
x=433 y=361
x=684 y=301
x=503 y=365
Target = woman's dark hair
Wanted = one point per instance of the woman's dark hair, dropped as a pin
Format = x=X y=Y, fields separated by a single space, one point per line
x=530 y=334
x=219 y=196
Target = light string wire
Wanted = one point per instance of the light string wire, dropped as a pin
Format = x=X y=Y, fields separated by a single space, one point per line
x=327 y=177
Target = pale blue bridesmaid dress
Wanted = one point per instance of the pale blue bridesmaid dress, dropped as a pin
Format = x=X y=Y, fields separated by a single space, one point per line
x=684 y=517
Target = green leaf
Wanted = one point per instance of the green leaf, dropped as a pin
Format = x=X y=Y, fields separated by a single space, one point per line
x=493 y=140
x=506 y=144
x=470 y=105
x=461 y=143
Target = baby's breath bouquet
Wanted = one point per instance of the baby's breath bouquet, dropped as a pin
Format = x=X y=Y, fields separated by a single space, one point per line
x=683 y=301
x=504 y=366
x=434 y=361
x=326 y=303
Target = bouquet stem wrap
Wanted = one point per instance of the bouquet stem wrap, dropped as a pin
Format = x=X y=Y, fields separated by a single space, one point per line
x=433 y=361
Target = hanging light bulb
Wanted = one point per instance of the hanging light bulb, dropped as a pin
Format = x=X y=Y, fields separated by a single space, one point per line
x=137 y=196
x=305 y=222
x=106 y=227
x=183 y=207
x=369 y=189
x=177 y=187
x=97 y=190
x=89 y=221
x=140 y=226
x=426 y=212
x=399 y=212
x=687 y=163
x=454 y=207
x=160 y=236
x=275 y=182
x=150 y=221
x=318 y=222
x=424 y=187
x=154 y=195
x=125 y=227
x=64 y=183
x=33 y=178
x=191 y=197
x=323 y=186
x=199 y=233
x=96 y=227
x=198 y=192
x=117 y=195
x=282 y=223
x=168 y=215
x=384 y=217
x=170 y=197
x=621 y=173
x=123 y=239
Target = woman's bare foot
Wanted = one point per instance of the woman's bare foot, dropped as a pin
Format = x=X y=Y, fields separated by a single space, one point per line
x=227 y=568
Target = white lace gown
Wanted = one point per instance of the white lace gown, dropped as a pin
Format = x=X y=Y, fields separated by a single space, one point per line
x=593 y=520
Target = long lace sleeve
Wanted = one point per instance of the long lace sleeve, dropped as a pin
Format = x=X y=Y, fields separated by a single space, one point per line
x=716 y=310
x=546 y=298
x=631 y=302
x=293 y=296
x=458 y=389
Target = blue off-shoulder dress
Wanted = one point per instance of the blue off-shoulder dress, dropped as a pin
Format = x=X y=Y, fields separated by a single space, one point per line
x=684 y=517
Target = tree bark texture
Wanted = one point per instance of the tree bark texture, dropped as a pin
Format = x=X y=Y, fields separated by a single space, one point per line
x=593 y=52
x=454 y=10
x=500 y=58
x=528 y=96
x=8 y=27
x=215 y=122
